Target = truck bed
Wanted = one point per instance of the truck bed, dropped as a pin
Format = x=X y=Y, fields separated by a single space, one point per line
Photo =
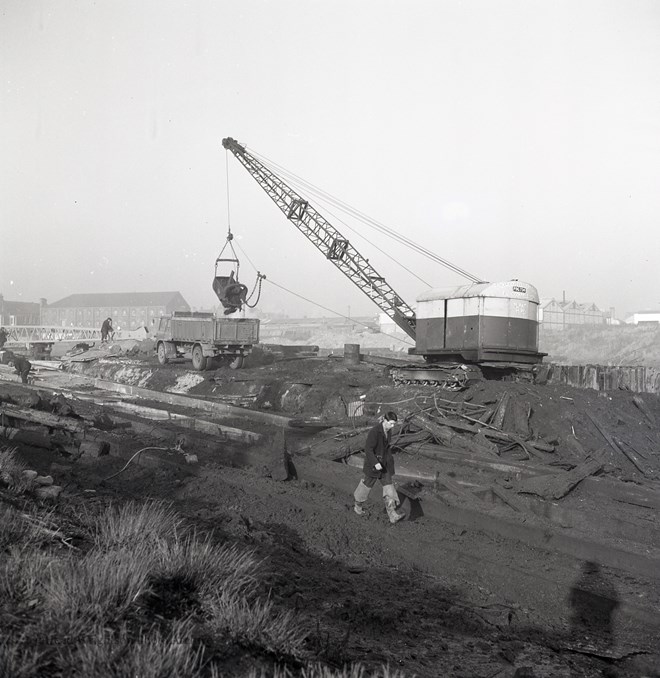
x=214 y=330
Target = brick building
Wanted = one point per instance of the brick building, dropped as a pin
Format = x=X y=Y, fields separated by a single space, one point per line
x=20 y=312
x=128 y=310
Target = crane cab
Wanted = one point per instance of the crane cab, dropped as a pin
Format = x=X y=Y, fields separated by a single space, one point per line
x=480 y=322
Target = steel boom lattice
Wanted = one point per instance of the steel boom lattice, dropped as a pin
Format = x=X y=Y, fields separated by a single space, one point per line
x=327 y=239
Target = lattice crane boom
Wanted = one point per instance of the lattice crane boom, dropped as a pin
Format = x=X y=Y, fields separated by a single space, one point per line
x=333 y=245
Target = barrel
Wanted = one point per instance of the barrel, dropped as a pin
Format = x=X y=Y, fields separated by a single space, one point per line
x=351 y=354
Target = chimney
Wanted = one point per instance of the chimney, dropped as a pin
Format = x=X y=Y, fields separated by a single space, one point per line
x=563 y=299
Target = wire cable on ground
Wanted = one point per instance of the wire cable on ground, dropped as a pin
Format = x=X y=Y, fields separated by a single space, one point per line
x=133 y=457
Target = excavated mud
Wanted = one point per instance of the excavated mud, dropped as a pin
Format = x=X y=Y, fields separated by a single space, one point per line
x=429 y=596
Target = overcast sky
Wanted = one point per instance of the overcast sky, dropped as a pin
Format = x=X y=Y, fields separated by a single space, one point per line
x=516 y=139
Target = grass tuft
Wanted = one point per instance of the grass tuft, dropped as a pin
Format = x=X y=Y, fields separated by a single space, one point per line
x=352 y=671
x=135 y=525
x=17 y=661
x=321 y=671
x=255 y=623
x=11 y=472
x=98 y=588
x=151 y=655
x=212 y=568
x=15 y=530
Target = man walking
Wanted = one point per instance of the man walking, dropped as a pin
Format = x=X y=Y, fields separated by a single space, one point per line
x=3 y=336
x=379 y=465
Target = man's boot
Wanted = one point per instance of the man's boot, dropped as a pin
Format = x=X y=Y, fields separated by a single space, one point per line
x=390 y=507
x=360 y=495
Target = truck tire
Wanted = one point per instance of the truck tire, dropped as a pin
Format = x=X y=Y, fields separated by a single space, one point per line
x=198 y=358
x=162 y=353
x=237 y=362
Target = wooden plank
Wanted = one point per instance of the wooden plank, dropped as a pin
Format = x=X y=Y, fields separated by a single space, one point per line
x=500 y=410
x=632 y=455
x=500 y=436
x=184 y=421
x=631 y=458
x=509 y=498
x=339 y=447
x=644 y=409
x=455 y=488
x=197 y=403
x=521 y=411
x=575 y=447
x=442 y=434
x=559 y=485
x=465 y=458
x=44 y=419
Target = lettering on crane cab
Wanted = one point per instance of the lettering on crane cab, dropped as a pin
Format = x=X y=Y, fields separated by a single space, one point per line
x=518 y=288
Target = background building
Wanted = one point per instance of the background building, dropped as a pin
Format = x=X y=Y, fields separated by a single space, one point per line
x=128 y=310
x=20 y=312
x=557 y=315
x=643 y=317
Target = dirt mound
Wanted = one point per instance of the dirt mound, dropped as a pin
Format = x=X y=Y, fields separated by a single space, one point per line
x=603 y=345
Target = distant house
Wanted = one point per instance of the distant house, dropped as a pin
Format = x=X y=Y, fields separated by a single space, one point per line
x=128 y=310
x=558 y=315
x=20 y=312
x=643 y=317
x=551 y=314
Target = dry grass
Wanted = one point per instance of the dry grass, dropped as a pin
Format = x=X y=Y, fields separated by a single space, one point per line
x=138 y=602
x=321 y=671
x=136 y=525
x=255 y=623
x=11 y=472
x=17 y=661
x=99 y=587
x=211 y=568
x=150 y=655
x=15 y=529
x=82 y=614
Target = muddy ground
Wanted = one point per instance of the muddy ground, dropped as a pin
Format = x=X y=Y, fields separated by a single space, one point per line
x=428 y=596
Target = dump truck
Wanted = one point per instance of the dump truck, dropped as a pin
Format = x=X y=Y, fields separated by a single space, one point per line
x=210 y=341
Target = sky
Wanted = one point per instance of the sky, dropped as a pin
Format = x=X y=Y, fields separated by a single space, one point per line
x=514 y=139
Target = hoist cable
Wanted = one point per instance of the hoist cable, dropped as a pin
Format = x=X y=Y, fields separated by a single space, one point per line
x=380 y=249
x=227 y=176
x=258 y=282
x=372 y=223
x=368 y=221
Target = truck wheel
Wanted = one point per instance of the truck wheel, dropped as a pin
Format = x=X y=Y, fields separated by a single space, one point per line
x=237 y=363
x=198 y=358
x=162 y=354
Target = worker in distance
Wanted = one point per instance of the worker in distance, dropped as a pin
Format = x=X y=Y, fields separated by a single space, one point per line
x=106 y=329
x=22 y=366
x=379 y=465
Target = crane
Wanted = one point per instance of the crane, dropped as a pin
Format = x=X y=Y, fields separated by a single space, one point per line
x=332 y=244
x=479 y=323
